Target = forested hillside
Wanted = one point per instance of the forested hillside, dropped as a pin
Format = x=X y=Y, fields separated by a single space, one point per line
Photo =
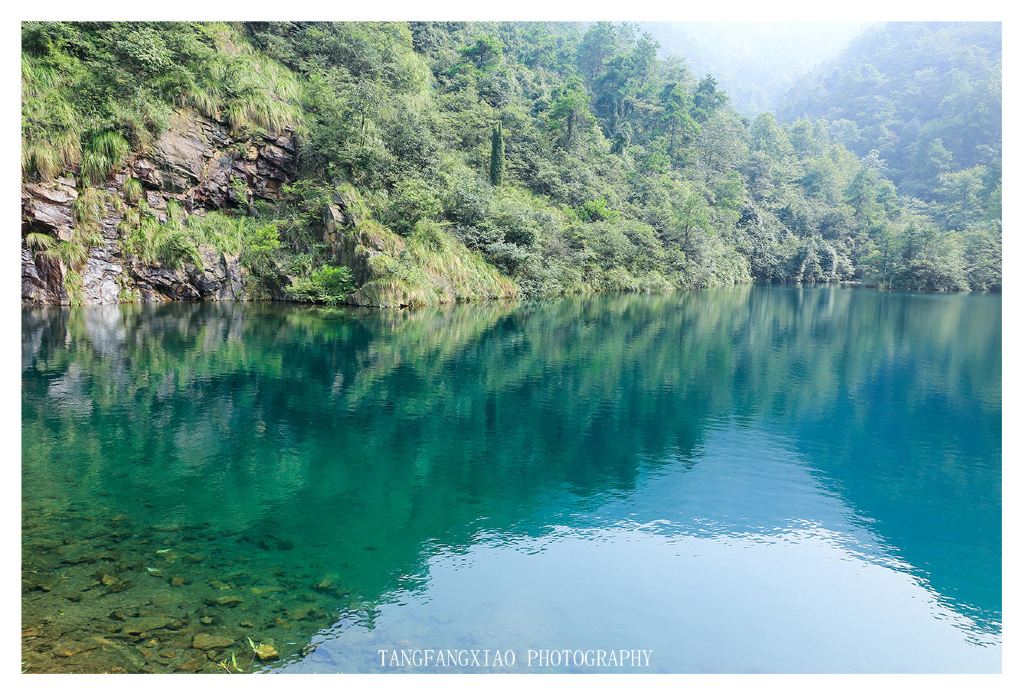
x=451 y=161
x=928 y=98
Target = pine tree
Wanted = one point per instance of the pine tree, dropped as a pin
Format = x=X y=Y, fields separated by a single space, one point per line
x=497 y=156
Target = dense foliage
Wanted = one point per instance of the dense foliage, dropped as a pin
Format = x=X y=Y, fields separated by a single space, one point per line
x=568 y=158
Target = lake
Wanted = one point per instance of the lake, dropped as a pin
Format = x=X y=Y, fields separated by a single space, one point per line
x=752 y=479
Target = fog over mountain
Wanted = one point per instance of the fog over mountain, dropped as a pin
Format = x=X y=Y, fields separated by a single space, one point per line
x=756 y=63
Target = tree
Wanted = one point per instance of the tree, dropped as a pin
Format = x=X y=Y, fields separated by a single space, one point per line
x=675 y=106
x=935 y=261
x=960 y=196
x=497 y=156
x=720 y=146
x=932 y=161
x=570 y=106
x=773 y=155
x=691 y=216
x=596 y=47
x=484 y=53
x=707 y=99
x=983 y=252
x=413 y=200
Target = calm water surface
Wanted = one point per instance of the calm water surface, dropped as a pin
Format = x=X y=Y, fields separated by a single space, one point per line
x=751 y=479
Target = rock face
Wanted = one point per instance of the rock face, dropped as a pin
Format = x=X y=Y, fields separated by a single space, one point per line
x=220 y=278
x=41 y=279
x=196 y=162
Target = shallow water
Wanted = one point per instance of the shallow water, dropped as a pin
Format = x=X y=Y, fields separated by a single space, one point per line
x=749 y=479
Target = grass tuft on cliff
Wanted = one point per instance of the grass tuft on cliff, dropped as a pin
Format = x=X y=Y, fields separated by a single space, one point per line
x=178 y=238
x=93 y=91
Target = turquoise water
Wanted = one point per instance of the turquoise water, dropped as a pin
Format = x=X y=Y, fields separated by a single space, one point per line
x=750 y=479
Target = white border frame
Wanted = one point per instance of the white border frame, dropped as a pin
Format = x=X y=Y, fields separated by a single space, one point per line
x=567 y=10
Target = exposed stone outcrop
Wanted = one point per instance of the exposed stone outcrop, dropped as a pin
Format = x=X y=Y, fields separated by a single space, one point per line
x=103 y=272
x=220 y=278
x=196 y=162
x=48 y=206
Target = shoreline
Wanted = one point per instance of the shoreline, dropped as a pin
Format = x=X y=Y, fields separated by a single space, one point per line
x=844 y=284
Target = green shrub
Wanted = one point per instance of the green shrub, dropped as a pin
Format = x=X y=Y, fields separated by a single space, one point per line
x=153 y=242
x=516 y=220
x=91 y=206
x=261 y=241
x=39 y=241
x=413 y=200
x=325 y=285
x=51 y=126
x=597 y=210
x=177 y=241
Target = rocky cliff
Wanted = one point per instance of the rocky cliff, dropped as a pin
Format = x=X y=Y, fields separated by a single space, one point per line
x=196 y=162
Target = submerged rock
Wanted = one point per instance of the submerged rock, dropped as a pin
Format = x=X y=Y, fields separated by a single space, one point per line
x=194 y=664
x=266 y=652
x=145 y=624
x=206 y=641
x=113 y=583
x=70 y=648
x=306 y=611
